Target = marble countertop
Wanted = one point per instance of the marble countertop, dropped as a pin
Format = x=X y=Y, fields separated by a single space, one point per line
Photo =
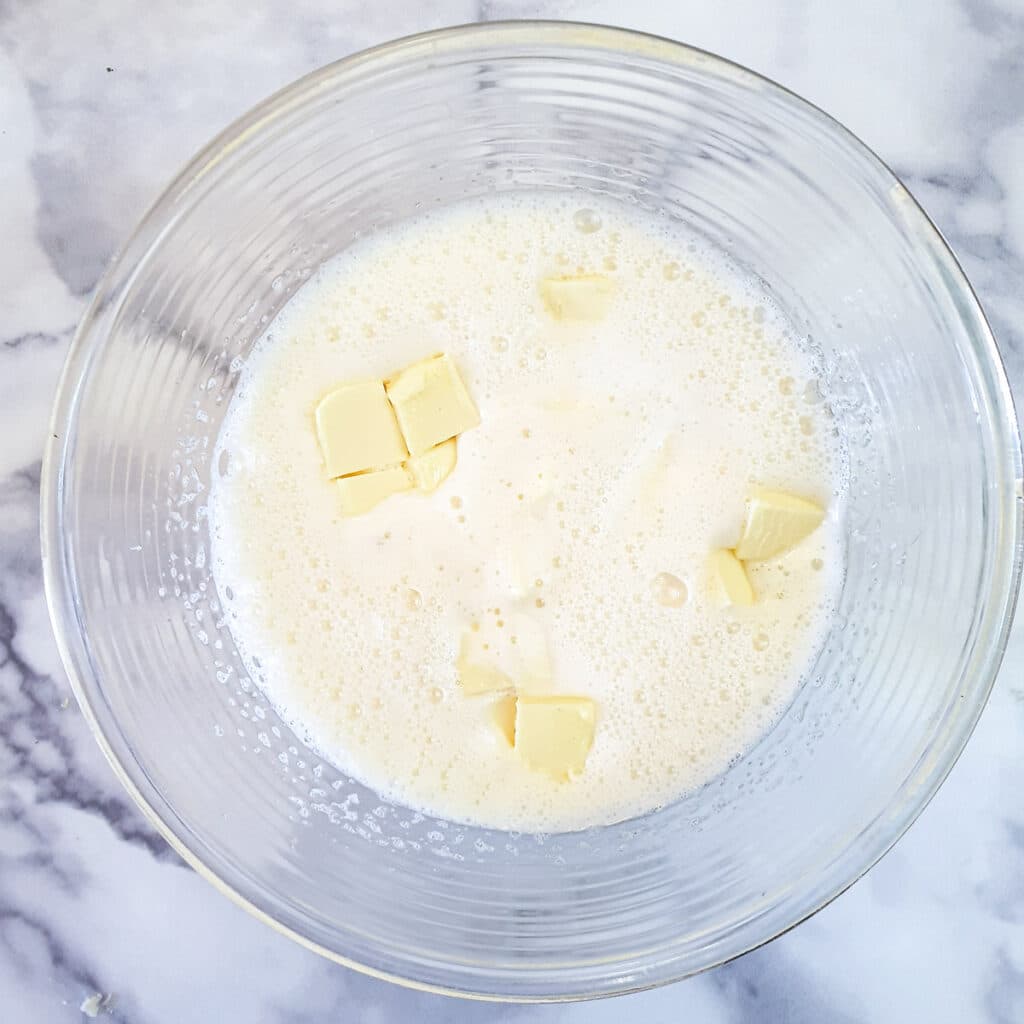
x=99 y=105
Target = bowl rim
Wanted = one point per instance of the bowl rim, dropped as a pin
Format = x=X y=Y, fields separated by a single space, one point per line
x=58 y=575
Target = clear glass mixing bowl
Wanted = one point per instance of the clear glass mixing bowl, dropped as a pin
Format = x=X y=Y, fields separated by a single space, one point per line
x=933 y=522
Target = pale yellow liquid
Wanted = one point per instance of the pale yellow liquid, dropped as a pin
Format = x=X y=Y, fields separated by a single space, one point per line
x=611 y=458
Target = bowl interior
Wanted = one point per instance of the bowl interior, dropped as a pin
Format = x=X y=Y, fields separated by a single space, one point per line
x=914 y=385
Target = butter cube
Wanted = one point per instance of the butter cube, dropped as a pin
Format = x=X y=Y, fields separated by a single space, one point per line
x=476 y=676
x=364 y=491
x=357 y=429
x=476 y=679
x=431 y=469
x=530 y=660
x=503 y=718
x=578 y=297
x=555 y=734
x=776 y=522
x=730 y=577
x=431 y=403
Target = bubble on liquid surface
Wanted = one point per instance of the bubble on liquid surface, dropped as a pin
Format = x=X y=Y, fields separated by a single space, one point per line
x=669 y=591
x=586 y=221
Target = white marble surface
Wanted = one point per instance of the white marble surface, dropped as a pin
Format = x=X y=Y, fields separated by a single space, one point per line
x=99 y=104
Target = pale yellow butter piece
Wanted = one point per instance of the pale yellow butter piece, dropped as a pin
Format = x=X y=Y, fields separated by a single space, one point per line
x=577 y=297
x=529 y=657
x=357 y=429
x=432 y=468
x=776 y=521
x=364 y=491
x=477 y=676
x=476 y=679
x=431 y=403
x=730 y=578
x=503 y=718
x=555 y=734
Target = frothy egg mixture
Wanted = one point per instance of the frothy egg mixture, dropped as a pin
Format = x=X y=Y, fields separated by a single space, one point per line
x=572 y=545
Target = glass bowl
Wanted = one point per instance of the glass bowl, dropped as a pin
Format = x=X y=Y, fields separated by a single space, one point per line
x=933 y=522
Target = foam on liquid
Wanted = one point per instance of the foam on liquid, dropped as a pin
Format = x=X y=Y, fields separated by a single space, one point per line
x=611 y=458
